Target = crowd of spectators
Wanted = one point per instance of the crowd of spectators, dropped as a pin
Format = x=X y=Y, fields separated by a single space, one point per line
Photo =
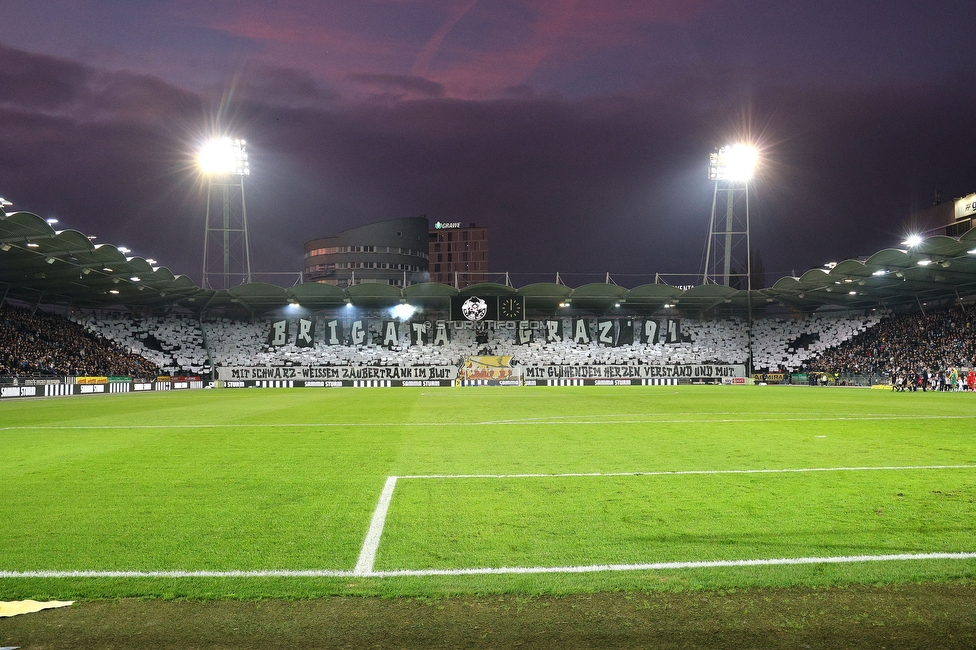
x=45 y=344
x=933 y=342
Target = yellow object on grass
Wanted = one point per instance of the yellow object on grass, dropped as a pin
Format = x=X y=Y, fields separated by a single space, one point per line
x=15 y=607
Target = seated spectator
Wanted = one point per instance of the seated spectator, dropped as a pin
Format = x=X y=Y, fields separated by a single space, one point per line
x=46 y=344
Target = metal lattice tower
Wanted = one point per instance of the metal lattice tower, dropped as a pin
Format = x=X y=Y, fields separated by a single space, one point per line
x=727 y=252
x=226 y=247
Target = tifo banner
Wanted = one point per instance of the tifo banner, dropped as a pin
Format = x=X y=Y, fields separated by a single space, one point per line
x=487 y=367
x=663 y=331
x=491 y=313
x=305 y=338
x=242 y=373
x=689 y=371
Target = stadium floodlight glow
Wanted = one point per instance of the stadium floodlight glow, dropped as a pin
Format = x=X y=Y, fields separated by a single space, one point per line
x=31 y=244
x=124 y=250
x=4 y=202
x=972 y=252
x=924 y=262
x=852 y=293
x=51 y=222
x=226 y=244
x=736 y=163
x=403 y=311
x=224 y=156
x=150 y=261
x=912 y=241
x=880 y=272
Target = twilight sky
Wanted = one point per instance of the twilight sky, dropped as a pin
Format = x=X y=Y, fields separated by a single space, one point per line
x=578 y=132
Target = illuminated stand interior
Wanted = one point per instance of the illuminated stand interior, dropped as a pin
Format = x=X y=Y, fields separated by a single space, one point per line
x=727 y=260
x=226 y=247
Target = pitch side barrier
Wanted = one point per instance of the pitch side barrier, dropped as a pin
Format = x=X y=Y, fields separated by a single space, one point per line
x=68 y=386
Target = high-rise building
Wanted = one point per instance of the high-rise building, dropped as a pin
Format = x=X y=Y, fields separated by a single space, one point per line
x=389 y=252
x=458 y=256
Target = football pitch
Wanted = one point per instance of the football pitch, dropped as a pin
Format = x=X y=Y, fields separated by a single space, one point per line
x=297 y=493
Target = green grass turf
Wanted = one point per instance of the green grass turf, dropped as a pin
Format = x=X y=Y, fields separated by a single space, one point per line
x=289 y=479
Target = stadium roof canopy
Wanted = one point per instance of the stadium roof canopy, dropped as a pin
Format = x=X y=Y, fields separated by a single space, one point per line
x=41 y=265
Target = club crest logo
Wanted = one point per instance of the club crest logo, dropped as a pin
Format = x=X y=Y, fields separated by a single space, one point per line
x=474 y=308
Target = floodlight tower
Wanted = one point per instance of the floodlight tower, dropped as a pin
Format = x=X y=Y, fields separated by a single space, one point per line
x=727 y=259
x=226 y=255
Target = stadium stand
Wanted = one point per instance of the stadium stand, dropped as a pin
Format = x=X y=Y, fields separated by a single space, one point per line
x=47 y=344
x=90 y=343
x=935 y=341
x=181 y=344
x=789 y=344
x=175 y=343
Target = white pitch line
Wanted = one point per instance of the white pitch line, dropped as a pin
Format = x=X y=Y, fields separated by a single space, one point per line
x=646 y=420
x=367 y=555
x=797 y=470
x=592 y=568
x=269 y=573
x=660 y=566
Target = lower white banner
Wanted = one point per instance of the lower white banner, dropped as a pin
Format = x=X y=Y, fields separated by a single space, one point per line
x=238 y=373
x=679 y=371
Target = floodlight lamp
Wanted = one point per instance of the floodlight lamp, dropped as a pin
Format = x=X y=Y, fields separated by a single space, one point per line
x=972 y=252
x=880 y=272
x=4 y=202
x=33 y=245
x=224 y=156
x=51 y=222
x=403 y=311
x=912 y=241
x=924 y=262
x=852 y=293
x=113 y=290
x=735 y=163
